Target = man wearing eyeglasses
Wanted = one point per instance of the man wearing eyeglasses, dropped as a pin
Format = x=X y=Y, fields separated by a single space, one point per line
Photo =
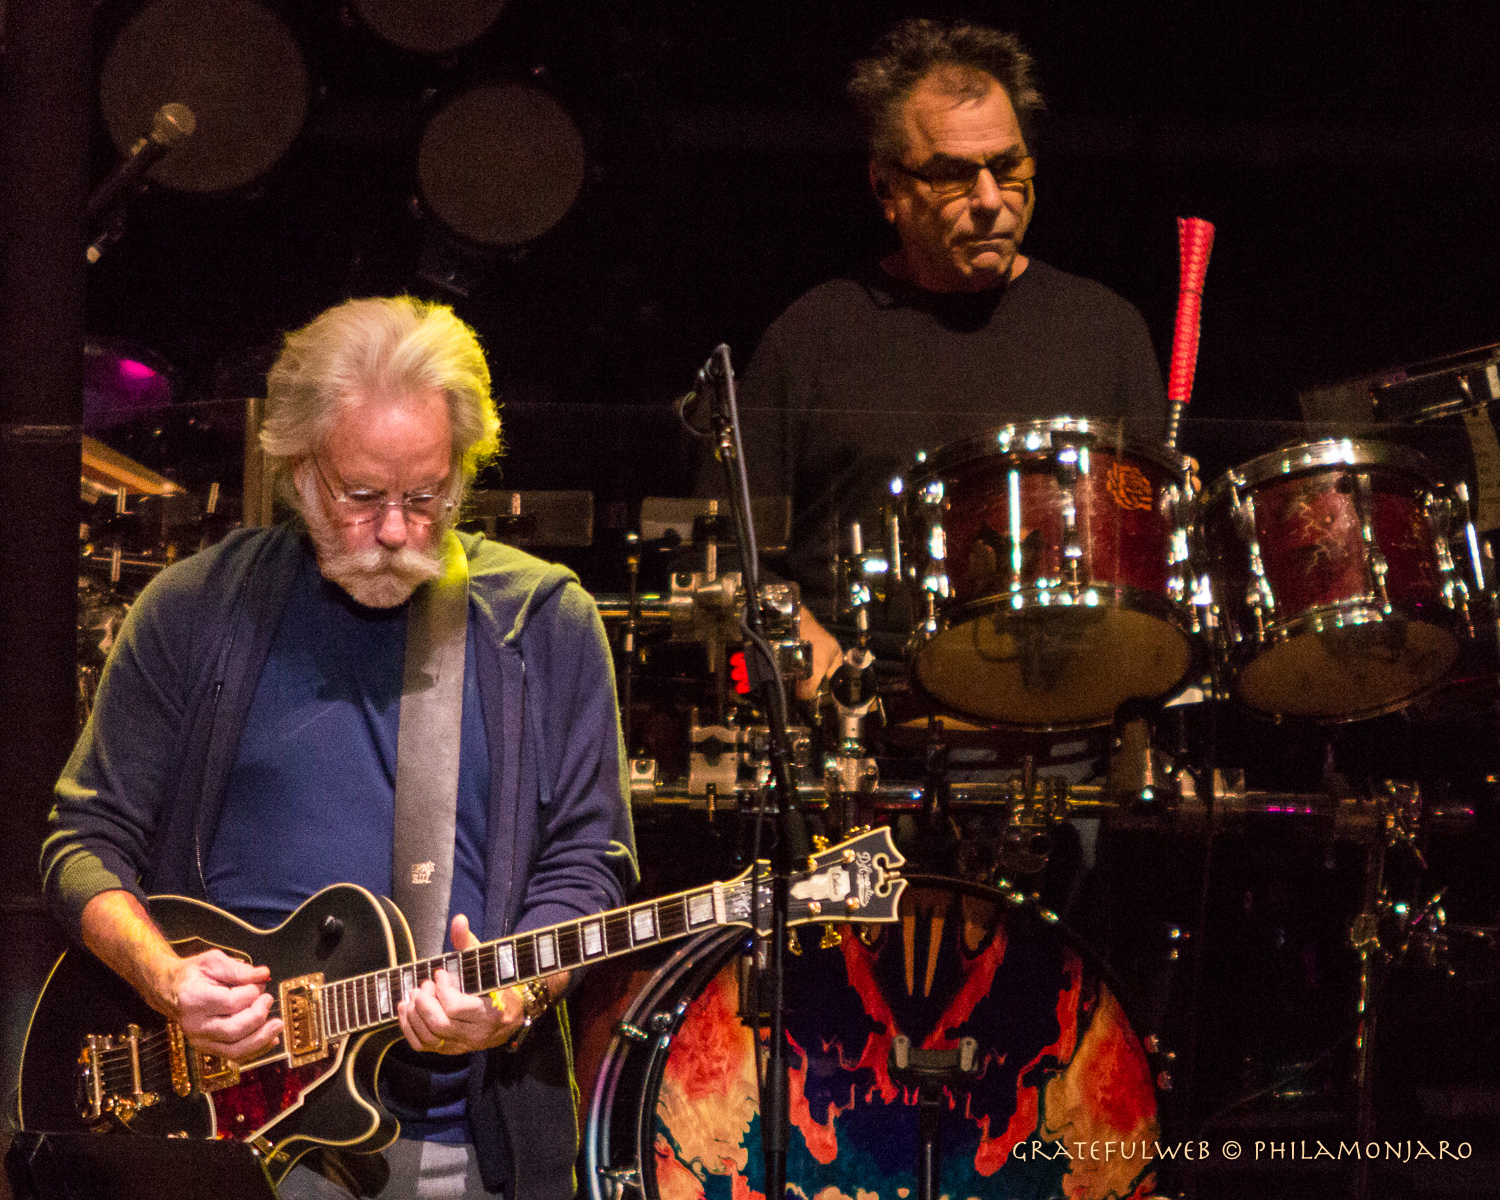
x=955 y=331
x=243 y=749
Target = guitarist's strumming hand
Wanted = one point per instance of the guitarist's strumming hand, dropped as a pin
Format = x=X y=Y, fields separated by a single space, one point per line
x=221 y=1003
x=441 y=1018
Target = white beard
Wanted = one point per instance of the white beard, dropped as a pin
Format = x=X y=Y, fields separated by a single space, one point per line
x=377 y=577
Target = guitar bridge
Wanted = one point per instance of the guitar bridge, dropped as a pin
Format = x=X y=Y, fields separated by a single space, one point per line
x=109 y=1080
x=302 y=1015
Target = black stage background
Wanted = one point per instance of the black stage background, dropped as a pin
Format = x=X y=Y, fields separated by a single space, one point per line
x=1349 y=156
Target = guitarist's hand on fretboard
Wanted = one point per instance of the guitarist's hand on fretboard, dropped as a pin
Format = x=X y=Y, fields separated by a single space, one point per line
x=441 y=1018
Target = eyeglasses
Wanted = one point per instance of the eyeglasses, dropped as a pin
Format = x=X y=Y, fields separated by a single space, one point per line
x=362 y=506
x=953 y=178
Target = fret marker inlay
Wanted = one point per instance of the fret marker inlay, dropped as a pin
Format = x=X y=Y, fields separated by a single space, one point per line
x=700 y=909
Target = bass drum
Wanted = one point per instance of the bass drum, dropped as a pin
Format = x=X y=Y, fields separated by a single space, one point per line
x=675 y=1109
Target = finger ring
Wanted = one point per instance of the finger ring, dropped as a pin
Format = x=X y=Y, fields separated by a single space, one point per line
x=441 y=1042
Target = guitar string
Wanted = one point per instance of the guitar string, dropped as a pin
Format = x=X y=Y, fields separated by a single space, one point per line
x=670 y=918
x=477 y=962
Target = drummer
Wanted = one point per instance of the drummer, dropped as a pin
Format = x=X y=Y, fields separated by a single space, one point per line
x=955 y=331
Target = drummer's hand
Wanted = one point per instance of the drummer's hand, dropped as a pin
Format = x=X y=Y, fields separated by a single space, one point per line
x=827 y=654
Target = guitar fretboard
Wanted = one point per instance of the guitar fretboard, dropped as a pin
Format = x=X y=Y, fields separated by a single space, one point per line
x=365 y=1001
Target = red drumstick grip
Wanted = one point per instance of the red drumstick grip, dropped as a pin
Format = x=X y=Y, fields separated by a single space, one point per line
x=1195 y=239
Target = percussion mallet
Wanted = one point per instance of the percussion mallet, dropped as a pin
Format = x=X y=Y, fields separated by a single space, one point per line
x=1195 y=239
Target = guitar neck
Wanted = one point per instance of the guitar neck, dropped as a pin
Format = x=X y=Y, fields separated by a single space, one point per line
x=368 y=1001
x=858 y=880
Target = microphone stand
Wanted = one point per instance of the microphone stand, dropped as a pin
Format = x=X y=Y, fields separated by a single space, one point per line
x=791 y=845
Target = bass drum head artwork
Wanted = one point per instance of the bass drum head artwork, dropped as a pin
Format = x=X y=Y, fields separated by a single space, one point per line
x=1058 y=1062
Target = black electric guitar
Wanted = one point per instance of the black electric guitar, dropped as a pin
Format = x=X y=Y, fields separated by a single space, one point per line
x=96 y=1057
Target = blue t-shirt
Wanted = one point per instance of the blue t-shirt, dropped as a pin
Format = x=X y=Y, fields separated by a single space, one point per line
x=311 y=797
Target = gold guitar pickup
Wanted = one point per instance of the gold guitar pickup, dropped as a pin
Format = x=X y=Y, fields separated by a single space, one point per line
x=177 y=1059
x=302 y=1014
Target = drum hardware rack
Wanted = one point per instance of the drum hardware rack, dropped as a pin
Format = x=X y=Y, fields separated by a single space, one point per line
x=704 y=607
x=1177 y=805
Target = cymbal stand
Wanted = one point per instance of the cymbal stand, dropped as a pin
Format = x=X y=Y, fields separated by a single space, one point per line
x=1365 y=937
x=1400 y=825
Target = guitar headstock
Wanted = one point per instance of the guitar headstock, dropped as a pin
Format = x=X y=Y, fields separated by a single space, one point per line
x=857 y=880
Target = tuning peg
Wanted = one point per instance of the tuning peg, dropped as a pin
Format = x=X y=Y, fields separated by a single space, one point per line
x=832 y=938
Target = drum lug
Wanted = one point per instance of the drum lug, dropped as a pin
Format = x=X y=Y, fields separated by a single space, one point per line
x=1259 y=597
x=1014 y=532
x=1375 y=562
x=934 y=580
x=618 y=1180
x=662 y=1022
x=1068 y=470
x=644 y=781
x=1176 y=510
x=1440 y=512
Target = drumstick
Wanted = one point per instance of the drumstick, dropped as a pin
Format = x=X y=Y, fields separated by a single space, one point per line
x=1195 y=239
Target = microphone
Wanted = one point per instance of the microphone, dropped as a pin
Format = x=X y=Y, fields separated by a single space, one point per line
x=172 y=125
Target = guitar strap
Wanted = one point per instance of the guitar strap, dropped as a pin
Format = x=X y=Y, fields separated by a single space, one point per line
x=427 y=742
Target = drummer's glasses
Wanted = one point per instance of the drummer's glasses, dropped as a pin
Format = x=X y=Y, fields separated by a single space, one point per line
x=951 y=178
x=361 y=506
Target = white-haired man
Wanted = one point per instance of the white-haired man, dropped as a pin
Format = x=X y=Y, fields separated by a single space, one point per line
x=243 y=748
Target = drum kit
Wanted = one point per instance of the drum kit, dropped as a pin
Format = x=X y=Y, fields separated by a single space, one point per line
x=1055 y=584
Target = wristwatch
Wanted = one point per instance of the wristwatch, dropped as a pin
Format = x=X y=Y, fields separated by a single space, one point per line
x=535 y=1001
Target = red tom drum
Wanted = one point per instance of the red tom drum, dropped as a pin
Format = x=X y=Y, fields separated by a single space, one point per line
x=1052 y=557
x=1341 y=576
